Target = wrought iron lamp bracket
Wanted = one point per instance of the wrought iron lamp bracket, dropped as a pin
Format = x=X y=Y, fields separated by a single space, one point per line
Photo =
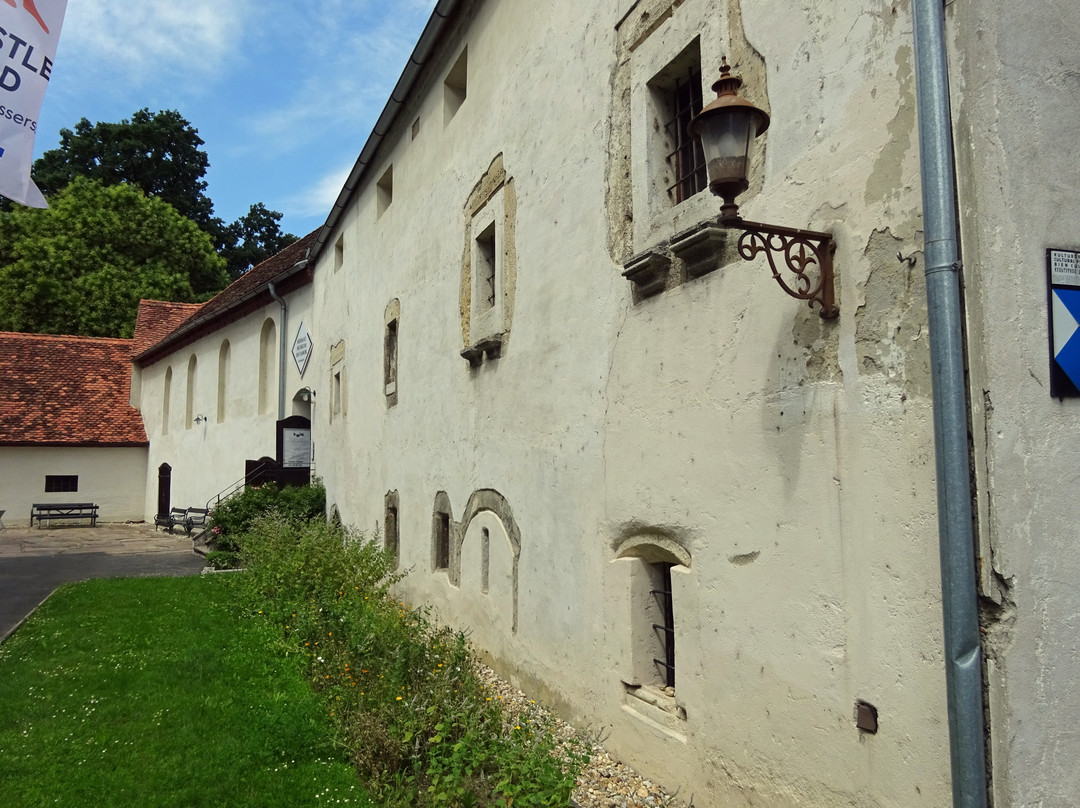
x=801 y=251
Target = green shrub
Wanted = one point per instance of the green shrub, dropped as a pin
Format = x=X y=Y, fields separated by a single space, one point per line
x=419 y=725
x=235 y=517
x=223 y=560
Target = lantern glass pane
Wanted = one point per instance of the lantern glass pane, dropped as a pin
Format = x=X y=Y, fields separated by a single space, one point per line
x=725 y=139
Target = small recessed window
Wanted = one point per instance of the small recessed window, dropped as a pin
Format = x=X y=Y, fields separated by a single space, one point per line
x=455 y=86
x=339 y=252
x=390 y=361
x=486 y=269
x=385 y=190
x=335 y=405
x=415 y=129
x=61 y=483
x=676 y=98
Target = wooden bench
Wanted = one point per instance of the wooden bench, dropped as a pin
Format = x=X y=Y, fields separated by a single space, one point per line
x=46 y=511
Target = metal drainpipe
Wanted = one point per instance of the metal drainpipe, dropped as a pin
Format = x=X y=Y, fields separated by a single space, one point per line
x=959 y=595
x=282 y=349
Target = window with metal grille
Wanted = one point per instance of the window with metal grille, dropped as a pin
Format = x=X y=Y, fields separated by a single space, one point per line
x=61 y=483
x=685 y=158
x=665 y=630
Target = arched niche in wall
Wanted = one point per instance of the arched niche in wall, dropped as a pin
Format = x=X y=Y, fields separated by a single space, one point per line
x=301 y=402
x=489 y=549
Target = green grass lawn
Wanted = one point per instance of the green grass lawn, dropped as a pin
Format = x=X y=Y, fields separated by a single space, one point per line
x=152 y=692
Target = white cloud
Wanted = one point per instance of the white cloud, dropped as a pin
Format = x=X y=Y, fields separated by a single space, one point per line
x=318 y=198
x=145 y=41
x=347 y=62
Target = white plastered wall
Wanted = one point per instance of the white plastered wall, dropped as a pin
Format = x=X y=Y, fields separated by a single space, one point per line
x=114 y=478
x=209 y=456
x=1016 y=105
x=793 y=459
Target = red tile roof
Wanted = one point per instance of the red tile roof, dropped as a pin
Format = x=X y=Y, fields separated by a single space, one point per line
x=248 y=292
x=157 y=319
x=67 y=391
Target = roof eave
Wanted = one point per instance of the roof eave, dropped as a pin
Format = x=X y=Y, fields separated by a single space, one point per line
x=433 y=31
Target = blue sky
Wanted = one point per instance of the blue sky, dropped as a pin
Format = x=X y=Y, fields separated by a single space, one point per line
x=284 y=93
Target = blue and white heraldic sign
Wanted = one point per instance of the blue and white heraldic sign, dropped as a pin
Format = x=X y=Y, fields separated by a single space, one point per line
x=1063 y=269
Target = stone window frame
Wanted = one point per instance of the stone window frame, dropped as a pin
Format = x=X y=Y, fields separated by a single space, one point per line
x=391 y=334
x=486 y=322
x=651 y=554
x=660 y=244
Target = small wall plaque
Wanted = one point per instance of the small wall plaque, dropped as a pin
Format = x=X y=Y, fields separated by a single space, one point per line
x=1063 y=285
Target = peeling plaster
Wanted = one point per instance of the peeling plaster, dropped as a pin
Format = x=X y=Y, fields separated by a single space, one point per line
x=886 y=180
x=891 y=336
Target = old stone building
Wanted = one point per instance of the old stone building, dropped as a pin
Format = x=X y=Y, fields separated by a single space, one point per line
x=662 y=494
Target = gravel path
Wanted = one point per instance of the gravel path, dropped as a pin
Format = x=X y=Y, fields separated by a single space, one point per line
x=604 y=782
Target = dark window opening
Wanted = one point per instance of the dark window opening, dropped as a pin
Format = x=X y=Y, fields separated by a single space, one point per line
x=61 y=483
x=442 y=542
x=665 y=631
x=485 y=252
x=390 y=358
x=392 y=530
x=686 y=158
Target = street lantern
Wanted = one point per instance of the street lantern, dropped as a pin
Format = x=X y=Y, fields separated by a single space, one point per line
x=726 y=129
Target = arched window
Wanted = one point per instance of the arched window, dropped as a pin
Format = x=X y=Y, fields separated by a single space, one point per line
x=166 y=396
x=222 y=380
x=267 y=366
x=189 y=409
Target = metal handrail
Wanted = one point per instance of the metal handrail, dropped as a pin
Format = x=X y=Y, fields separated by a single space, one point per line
x=232 y=488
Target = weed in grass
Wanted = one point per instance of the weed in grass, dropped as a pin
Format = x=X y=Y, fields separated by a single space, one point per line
x=401 y=690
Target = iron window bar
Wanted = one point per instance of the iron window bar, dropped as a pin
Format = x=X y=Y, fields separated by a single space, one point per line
x=686 y=158
x=667 y=628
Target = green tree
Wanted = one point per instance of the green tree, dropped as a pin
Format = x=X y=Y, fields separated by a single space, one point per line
x=81 y=266
x=159 y=152
x=253 y=238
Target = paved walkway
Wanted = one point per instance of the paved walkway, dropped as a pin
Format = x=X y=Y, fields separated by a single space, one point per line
x=34 y=561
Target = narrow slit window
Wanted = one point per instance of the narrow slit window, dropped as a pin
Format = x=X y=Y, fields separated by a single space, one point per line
x=442 y=542
x=485 y=559
x=455 y=86
x=391 y=540
x=665 y=628
x=486 y=271
x=390 y=359
x=385 y=190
